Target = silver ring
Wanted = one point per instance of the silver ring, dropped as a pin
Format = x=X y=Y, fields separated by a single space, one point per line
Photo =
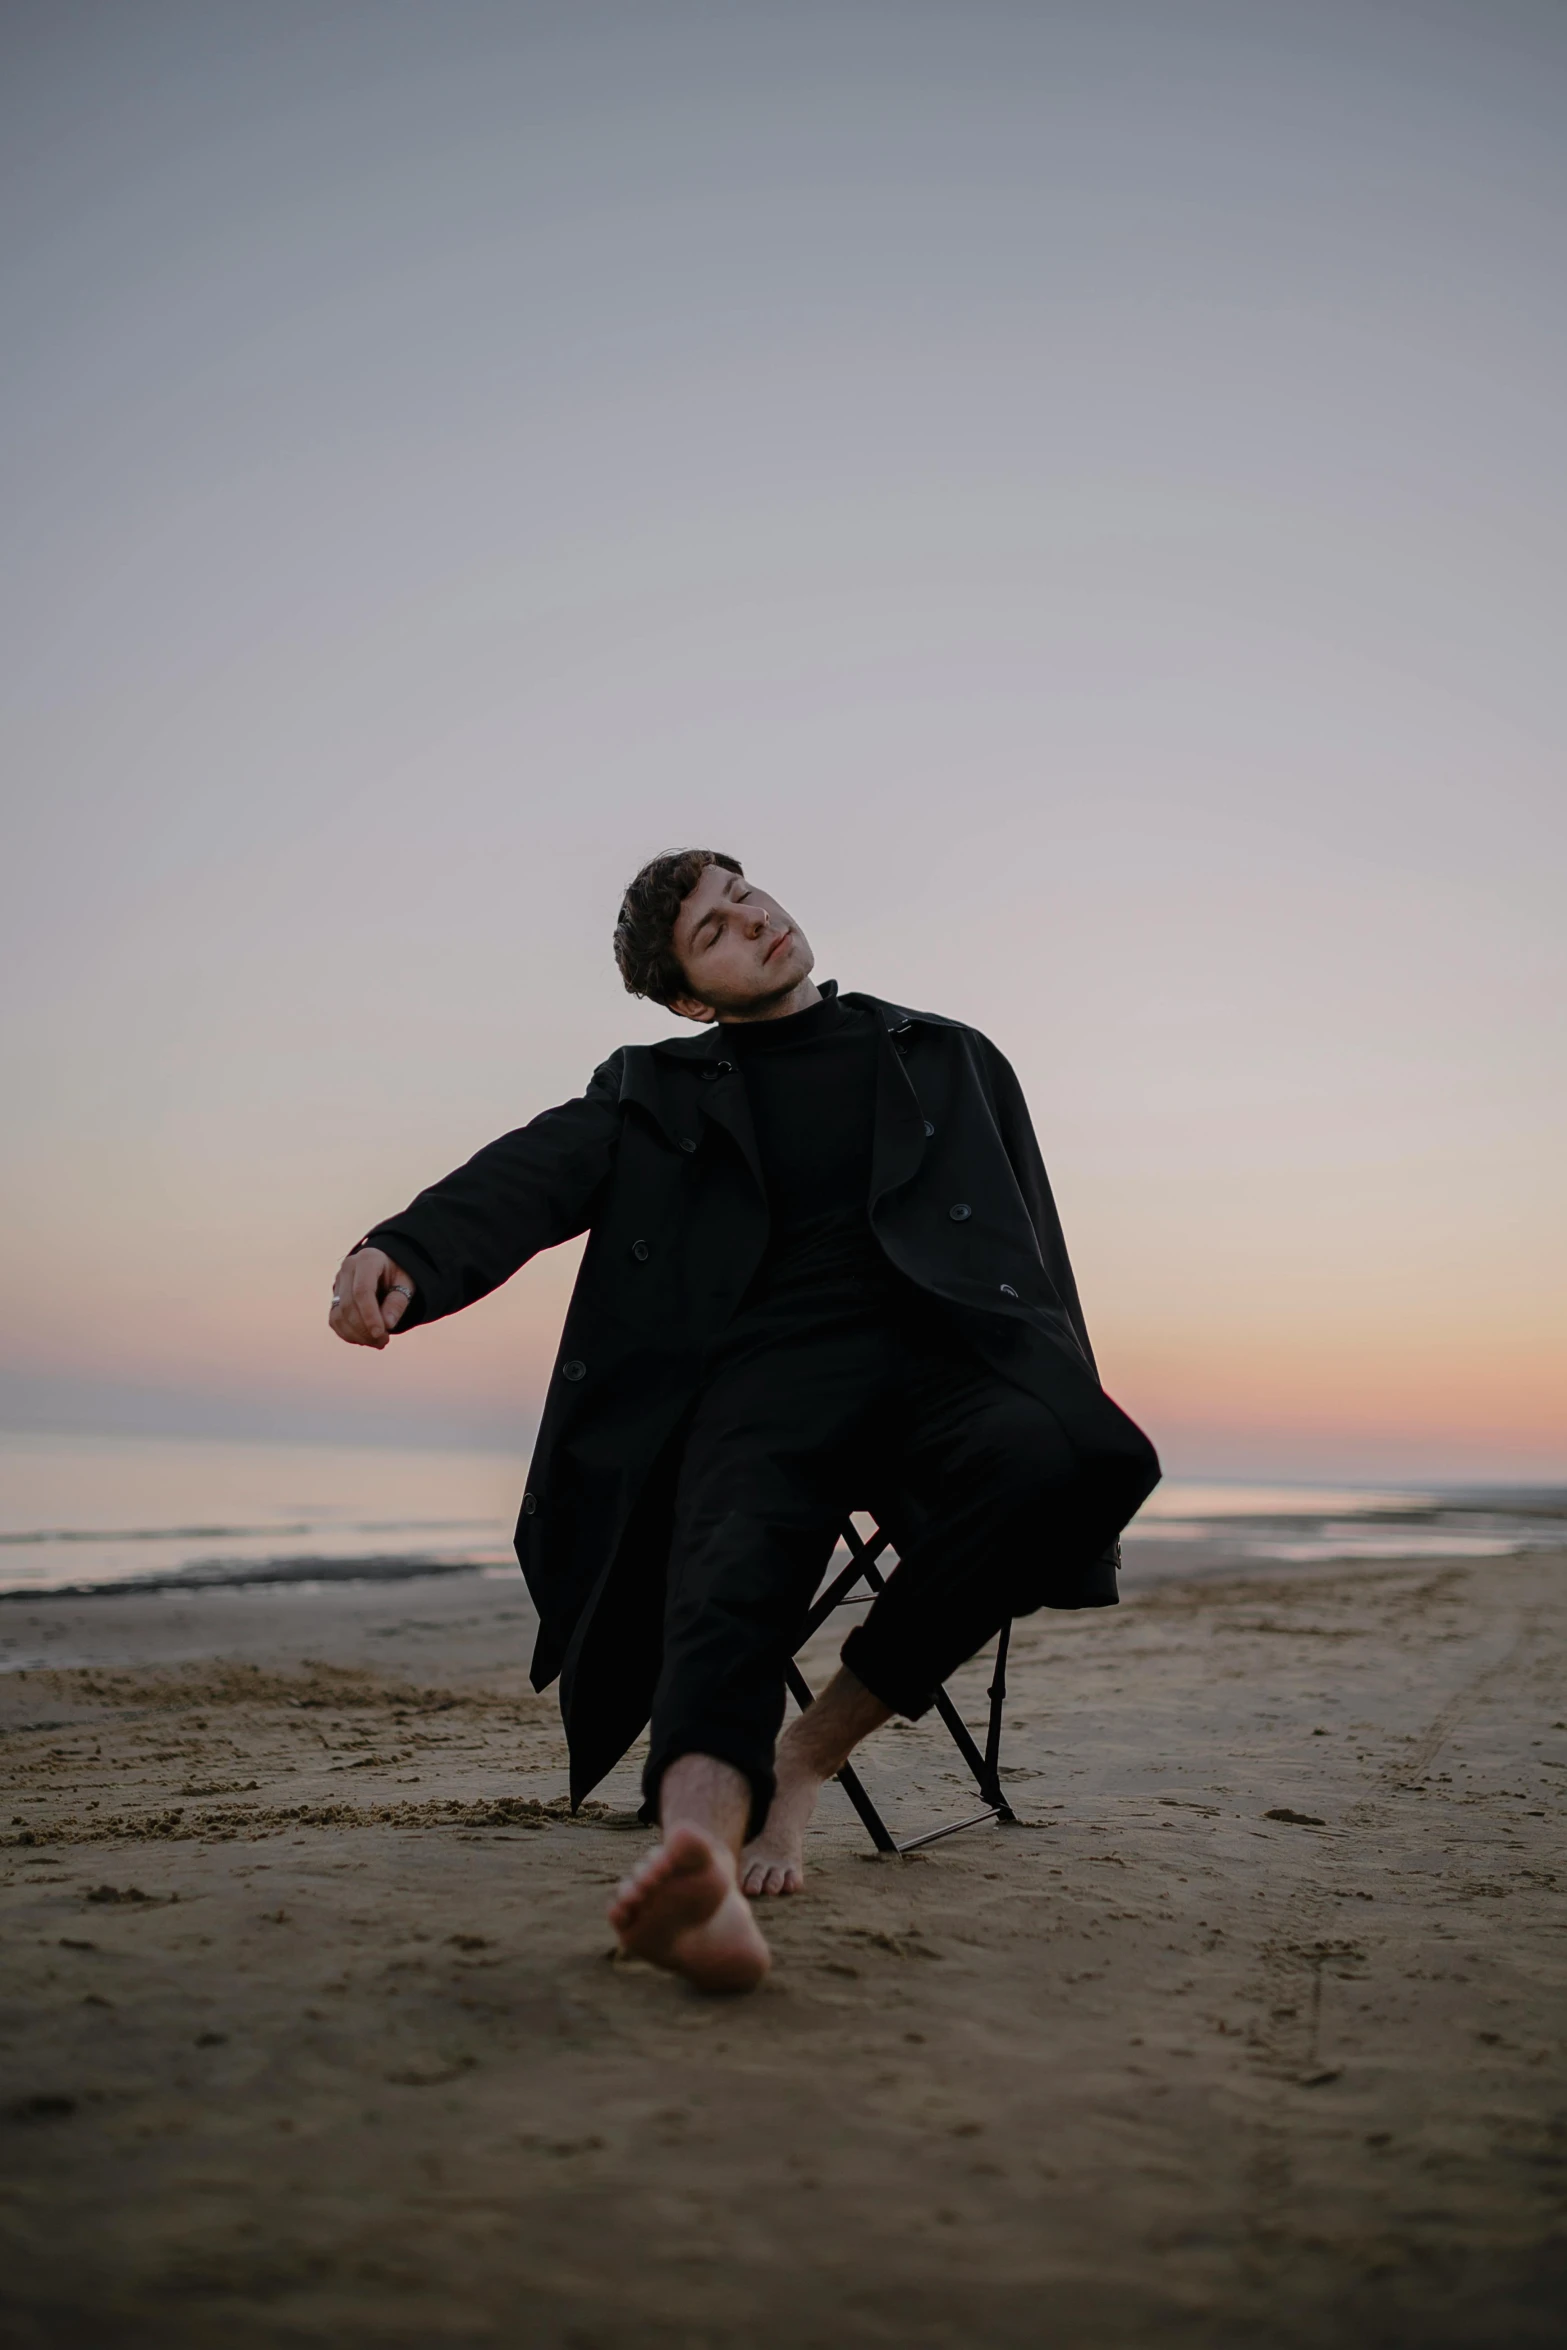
x=401 y=1290
x=336 y=1300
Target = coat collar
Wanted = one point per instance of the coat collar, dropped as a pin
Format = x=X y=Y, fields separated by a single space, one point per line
x=708 y=1043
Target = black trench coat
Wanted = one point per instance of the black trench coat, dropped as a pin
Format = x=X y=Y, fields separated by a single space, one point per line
x=658 y=1163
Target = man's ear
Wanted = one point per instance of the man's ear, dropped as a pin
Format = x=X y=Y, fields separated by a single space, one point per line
x=690 y=1007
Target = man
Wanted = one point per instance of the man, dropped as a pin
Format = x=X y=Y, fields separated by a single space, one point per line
x=824 y=1271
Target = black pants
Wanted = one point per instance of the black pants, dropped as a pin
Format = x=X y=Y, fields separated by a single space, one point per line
x=983 y=1496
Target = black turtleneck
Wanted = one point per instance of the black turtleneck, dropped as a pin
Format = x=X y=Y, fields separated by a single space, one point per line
x=811 y=1083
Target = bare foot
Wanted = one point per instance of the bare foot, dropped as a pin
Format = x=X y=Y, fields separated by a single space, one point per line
x=810 y=1752
x=774 y=1861
x=683 y=1910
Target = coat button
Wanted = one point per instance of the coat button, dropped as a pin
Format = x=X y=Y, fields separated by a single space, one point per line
x=1007 y=1289
x=641 y=1251
x=530 y=1502
x=929 y=1129
x=686 y=1143
x=961 y=1213
x=574 y=1369
x=726 y=1068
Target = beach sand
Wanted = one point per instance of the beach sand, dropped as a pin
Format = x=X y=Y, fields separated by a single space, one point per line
x=311 y=2034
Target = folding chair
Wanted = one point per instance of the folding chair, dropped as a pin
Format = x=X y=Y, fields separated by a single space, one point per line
x=842 y=1591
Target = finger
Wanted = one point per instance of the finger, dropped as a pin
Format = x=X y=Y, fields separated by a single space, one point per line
x=341 y=1318
x=367 y=1306
x=347 y=1319
x=393 y=1306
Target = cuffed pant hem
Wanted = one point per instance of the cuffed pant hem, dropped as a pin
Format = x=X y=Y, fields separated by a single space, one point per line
x=881 y=1677
x=759 y=1776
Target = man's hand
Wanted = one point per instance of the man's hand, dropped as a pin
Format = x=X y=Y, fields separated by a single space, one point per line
x=369 y=1298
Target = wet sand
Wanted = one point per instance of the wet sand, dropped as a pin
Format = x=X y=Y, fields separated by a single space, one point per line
x=310 y=2033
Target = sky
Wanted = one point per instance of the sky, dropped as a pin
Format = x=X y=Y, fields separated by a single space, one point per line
x=1070 y=494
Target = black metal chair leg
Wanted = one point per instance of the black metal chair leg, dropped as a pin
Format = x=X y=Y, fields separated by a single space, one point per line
x=875 y=1826
x=985 y=1767
x=990 y=1785
x=962 y=1739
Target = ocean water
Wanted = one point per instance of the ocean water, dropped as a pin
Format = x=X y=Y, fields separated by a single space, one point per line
x=1190 y=1528
x=97 y=1513
x=103 y=1513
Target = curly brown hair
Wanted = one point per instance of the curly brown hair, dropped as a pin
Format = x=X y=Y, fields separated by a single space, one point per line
x=644 y=931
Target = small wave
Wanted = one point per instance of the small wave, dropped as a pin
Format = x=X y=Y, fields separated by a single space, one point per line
x=271 y=1529
x=1328 y=1546
x=231 y=1574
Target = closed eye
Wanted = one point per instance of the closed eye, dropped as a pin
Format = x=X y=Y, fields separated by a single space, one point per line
x=713 y=922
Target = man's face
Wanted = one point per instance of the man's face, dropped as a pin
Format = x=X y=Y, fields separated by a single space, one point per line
x=738 y=948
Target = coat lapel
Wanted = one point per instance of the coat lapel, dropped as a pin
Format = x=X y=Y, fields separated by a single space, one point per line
x=899 y=1147
x=709 y=1084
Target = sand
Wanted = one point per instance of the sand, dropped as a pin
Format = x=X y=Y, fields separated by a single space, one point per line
x=311 y=2034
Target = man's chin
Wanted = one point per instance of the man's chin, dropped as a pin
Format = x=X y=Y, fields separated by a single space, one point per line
x=759 y=1006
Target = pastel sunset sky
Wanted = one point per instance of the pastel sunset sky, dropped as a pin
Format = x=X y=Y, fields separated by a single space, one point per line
x=1071 y=494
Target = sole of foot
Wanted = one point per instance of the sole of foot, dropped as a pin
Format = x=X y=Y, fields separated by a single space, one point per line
x=682 y=1910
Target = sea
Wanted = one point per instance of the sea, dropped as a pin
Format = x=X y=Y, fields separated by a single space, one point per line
x=101 y=1514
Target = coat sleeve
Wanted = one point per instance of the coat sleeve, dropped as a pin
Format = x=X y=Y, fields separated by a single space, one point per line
x=530 y=1190
x=1022 y=1149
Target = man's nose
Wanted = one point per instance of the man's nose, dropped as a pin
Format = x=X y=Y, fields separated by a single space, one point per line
x=760 y=922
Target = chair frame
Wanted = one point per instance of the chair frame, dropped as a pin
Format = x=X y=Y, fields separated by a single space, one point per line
x=985 y=1766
